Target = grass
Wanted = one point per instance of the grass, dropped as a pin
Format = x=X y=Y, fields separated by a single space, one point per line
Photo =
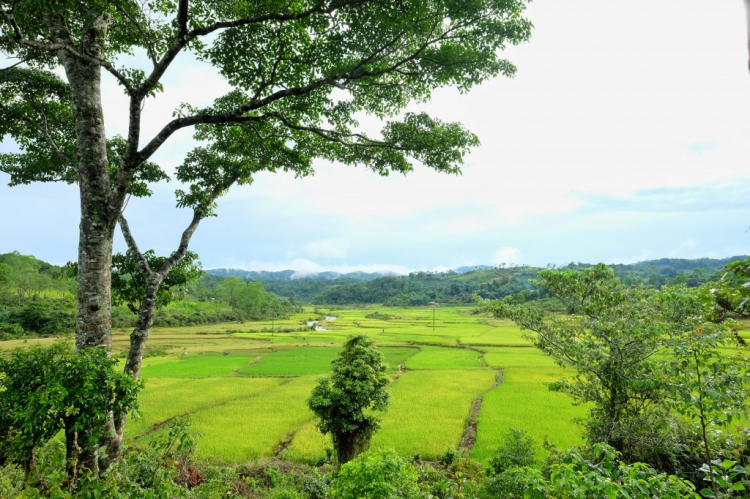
x=426 y=415
x=253 y=427
x=295 y=361
x=429 y=409
x=197 y=365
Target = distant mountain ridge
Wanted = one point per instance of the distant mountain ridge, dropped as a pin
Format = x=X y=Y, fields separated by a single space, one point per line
x=678 y=264
x=289 y=275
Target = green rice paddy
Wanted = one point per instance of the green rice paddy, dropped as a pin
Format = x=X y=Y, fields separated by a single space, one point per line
x=245 y=386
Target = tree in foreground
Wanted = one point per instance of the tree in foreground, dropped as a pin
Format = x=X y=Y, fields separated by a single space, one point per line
x=610 y=340
x=344 y=403
x=704 y=384
x=301 y=73
x=46 y=390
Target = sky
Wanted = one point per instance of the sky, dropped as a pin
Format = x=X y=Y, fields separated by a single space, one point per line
x=625 y=136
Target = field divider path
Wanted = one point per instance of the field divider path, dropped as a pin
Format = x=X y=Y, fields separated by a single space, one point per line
x=469 y=437
x=236 y=372
x=286 y=441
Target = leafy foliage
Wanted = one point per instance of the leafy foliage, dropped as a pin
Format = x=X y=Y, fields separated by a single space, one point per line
x=344 y=403
x=610 y=343
x=376 y=474
x=516 y=451
x=51 y=389
x=732 y=292
x=129 y=284
x=704 y=385
x=602 y=475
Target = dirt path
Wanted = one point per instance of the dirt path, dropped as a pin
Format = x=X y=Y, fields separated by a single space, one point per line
x=469 y=437
x=284 y=443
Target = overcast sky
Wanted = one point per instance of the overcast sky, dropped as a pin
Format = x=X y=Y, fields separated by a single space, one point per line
x=625 y=136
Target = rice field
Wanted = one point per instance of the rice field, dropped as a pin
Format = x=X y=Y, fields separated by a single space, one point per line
x=245 y=386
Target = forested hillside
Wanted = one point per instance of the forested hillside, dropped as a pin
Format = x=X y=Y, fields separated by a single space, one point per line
x=420 y=288
x=38 y=298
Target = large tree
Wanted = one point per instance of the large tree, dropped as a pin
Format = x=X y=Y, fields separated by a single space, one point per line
x=301 y=72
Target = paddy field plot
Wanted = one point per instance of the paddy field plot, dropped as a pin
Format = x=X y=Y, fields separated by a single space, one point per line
x=245 y=385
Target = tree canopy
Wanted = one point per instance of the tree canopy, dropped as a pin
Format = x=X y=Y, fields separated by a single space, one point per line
x=302 y=74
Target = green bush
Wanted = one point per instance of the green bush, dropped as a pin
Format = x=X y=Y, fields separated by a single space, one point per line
x=11 y=480
x=376 y=474
x=516 y=451
x=602 y=474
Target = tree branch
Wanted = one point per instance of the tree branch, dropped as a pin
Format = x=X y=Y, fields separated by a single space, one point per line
x=146 y=40
x=184 y=38
x=133 y=246
x=182 y=18
x=55 y=47
x=44 y=130
x=232 y=116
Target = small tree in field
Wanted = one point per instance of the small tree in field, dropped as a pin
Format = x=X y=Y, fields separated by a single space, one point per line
x=344 y=402
x=46 y=390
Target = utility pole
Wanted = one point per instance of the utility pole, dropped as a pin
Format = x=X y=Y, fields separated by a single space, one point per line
x=433 y=305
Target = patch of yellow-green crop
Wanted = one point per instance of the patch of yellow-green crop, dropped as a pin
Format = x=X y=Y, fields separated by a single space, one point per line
x=197 y=366
x=525 y=357
x=253 y=427
x=429 y=409
x=299 y=360
x=165 y=398
x=308 y=445
x=446 y=358
x=523 y=401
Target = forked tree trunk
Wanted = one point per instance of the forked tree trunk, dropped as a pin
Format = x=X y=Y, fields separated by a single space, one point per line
x=138 y=337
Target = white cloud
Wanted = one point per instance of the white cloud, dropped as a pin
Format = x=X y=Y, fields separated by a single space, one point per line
x=685 y=248
x=611 y=100
x=508 y=255
x=306 y=267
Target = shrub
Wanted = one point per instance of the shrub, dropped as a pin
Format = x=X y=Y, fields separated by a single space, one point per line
x=601 y=475
x=376 y=474
x=517 y=451
x=11 y=480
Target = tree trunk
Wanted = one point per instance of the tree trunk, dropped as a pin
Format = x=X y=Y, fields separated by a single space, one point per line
x=96 y=229
x=71 y=455
x=113 y=445
x=94 y=314
x=348 y=446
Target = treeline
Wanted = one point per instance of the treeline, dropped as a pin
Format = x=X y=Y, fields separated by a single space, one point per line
x=38 y=298
x=35 y=297
x=421 y=288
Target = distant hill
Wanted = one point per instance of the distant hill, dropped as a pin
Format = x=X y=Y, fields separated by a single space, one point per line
x=459 y=285
x=288 y=275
